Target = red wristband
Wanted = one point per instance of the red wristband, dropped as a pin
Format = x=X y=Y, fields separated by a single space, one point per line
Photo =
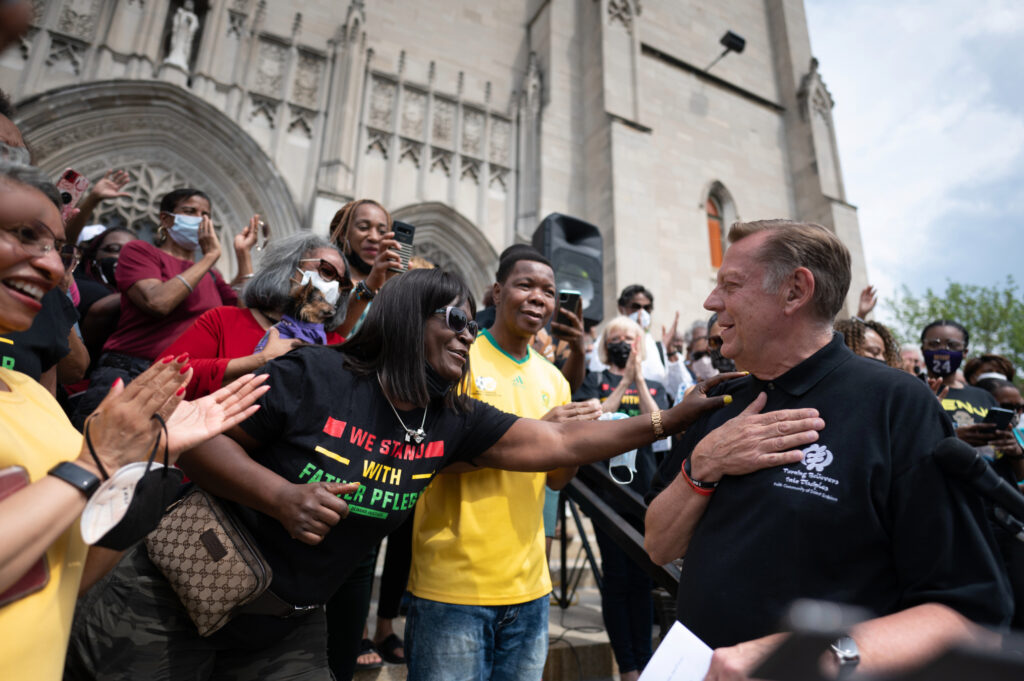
x=705 y=489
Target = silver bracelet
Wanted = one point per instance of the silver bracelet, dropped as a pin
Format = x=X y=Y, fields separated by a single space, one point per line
x=185 y=282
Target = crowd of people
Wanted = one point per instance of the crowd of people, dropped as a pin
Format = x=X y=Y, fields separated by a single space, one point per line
x=326 y=397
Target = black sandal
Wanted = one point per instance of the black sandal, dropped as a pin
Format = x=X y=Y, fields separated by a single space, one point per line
x=365 y=648
x=388 y=647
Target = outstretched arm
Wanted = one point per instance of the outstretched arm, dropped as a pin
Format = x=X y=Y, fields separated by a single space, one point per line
x=531 y=445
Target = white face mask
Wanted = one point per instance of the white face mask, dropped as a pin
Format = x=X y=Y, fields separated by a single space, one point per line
x=328 y=288
x=642 y=317
x=989 y=374
x=703 y=368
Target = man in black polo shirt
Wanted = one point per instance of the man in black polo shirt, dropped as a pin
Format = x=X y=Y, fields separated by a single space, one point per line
x=817 y=481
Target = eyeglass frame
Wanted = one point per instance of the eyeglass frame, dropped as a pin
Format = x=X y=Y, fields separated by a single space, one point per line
x=344 y=281
x=471 y=323
x=33 y=250
x=76 y=256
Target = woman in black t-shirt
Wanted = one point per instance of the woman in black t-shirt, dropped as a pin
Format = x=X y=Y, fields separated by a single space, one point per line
x=353 y=434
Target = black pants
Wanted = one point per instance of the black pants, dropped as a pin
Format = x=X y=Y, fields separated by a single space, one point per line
x=346 y=614
x=626 y=605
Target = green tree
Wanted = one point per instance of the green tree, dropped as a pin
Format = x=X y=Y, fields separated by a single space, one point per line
x=993 y=315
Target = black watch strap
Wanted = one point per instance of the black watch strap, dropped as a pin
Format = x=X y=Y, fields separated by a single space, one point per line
x=77 y=477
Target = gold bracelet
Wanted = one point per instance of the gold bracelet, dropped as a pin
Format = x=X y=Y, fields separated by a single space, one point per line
x=659 y=429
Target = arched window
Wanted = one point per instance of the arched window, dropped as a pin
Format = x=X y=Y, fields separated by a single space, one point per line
x=715 y=232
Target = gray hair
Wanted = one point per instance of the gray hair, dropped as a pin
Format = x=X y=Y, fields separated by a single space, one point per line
x=688 y=336
x=269 y=290
x=30 y=176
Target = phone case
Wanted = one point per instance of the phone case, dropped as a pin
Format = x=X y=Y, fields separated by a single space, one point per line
x=403 y=235
x=71 y=186
x=11 y=480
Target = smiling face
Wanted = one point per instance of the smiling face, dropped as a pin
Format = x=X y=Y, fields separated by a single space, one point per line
x=25 y=278
x=747 y=315
x=445 y=350
x=368 y=224
x=525 y=301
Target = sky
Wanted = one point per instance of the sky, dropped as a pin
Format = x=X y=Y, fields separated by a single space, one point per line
x=929 y=116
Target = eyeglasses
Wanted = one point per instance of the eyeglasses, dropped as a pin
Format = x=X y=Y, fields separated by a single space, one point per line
x=35 y=238
x=715 y=342
x=633 y=307
x=457 y=319
x=70 y=255
x=329 y=272
x=943 y=343
x=1013 y=406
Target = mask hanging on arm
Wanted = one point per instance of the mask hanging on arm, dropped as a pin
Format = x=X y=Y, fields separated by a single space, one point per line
x=185 y=231
x=943 y=362
x=642 y=317
x=328 y=288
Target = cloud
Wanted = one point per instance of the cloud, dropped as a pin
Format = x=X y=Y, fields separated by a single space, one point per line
x=931 y=133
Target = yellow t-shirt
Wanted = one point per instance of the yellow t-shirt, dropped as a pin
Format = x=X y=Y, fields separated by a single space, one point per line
x=478 y=537
x=36 y=435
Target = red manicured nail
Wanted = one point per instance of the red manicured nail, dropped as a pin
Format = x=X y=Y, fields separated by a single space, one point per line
x=168 y=359
x=118 y=382
x=183 y=357
x=185 y=368
x=181 y=391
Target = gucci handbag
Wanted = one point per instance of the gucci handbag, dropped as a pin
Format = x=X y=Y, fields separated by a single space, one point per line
x=210 y=560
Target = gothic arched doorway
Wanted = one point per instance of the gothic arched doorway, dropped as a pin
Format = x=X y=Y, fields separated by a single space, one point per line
x=449 y=240
x=165 y=138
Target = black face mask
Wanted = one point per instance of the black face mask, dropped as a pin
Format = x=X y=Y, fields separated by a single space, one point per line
x=358 y=264
x=154 y=492
x=618 y=353
x=723 y=364
x=437 y=386
x=105 y=268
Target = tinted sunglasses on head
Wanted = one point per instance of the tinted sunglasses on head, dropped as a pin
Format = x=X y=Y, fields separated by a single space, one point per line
x=457 y=319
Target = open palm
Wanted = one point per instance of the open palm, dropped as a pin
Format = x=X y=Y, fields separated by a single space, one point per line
x=198 y=420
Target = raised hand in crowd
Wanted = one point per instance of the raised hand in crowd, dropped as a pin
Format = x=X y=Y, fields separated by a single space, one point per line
x=867 y=301
x=938 y=387
x=244 y=242
x=107 y=188
x=672 y=340
x=571 y=347
x=387 y=257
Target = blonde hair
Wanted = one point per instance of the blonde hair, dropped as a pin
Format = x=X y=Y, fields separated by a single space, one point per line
x=802 y=244
x=621 y=323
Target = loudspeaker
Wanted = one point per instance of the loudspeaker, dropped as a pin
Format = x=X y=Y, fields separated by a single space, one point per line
x=575 y=249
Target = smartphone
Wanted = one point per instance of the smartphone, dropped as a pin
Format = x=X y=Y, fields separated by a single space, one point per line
x=1000 y=417
x=567 y=300
x=71 y=186
x=264 y=230
x=403 y=235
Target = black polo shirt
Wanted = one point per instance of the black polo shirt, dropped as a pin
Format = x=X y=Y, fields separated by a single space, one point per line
x=866 y=518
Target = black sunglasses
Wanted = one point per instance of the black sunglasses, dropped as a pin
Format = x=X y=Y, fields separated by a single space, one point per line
x=1013 y=406
x=457 y=319
x=637 y=306
x=329 y=272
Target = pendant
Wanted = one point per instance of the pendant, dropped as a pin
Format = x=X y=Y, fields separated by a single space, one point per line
x=415 y=436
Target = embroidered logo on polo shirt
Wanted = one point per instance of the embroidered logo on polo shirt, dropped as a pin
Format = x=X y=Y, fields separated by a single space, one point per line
x=518 y=380
x=817 y=457
x=807 y=477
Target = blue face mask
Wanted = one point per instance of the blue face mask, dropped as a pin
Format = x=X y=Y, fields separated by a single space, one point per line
x=185 y=231
x=943 y=362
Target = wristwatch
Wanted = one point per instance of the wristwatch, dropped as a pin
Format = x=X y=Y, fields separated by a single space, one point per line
x=77 y=477
x=847 y=655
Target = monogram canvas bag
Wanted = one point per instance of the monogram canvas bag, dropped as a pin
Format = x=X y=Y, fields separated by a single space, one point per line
x=209 y=559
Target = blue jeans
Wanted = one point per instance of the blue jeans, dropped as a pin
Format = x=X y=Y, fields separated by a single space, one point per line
x=447 y=642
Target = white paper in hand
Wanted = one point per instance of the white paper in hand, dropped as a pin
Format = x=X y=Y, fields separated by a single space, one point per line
x=680 y=657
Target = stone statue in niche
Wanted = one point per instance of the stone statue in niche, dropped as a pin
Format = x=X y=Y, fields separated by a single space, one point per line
x=183 y=32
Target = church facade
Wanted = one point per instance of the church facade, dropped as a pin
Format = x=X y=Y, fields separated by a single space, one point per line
x=471 y=120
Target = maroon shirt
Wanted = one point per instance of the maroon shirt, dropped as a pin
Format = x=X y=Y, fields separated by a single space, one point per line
x=139 y=333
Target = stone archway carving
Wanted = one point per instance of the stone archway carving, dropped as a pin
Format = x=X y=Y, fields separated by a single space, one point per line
x=166 y=138
x=449 y=240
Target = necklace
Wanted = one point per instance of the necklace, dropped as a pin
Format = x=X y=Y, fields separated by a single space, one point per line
x=411 y=436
